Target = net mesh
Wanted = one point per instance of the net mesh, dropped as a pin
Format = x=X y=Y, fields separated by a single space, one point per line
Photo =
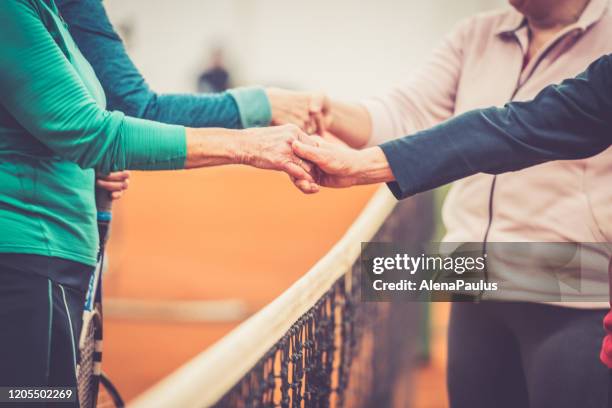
x=334 y=351
x=341 y=352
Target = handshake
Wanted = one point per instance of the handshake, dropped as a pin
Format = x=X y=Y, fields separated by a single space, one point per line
x=297 y=143
x=309 y=160
x=300 y=145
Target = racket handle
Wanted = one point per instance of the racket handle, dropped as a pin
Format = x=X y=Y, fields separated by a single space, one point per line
x=104 y=202
x=104 y=205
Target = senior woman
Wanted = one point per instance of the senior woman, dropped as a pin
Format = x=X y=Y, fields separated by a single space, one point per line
x=127 y=91
x=54 y=131
x=488 y=60
x=567 y=121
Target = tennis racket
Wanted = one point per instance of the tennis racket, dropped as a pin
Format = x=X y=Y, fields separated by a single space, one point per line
x=94 y=388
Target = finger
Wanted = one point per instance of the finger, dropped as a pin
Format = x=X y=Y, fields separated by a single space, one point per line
x=303 y=184
x=319 y=123
x=319 y=108
x=308 y=152
x=315 y=173
x=317 y=140
x=112 y=185
x=306 y=187
x=115 y=195
x=312 y=140
x=310 y=127
x=309 y=167
x=307 y=127
x=297 y=172
x=116 y=176
x=331 y=138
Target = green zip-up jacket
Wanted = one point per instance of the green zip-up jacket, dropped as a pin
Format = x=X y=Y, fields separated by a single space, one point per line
x=55 y=133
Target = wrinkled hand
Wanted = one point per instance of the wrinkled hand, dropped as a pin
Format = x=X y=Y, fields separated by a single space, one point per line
x=337 y=164
x=307 y=110
x=115 y=183
x=341 y=166
x=271 y=148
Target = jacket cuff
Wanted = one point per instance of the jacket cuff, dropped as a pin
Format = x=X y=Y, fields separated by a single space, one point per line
x=148 y=145
x=253 y=106
x=404 y=164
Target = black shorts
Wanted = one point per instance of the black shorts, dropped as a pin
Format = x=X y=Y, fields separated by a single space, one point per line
x=41 y=307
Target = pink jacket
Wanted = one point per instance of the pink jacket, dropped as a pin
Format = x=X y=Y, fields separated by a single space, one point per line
x=480 y=64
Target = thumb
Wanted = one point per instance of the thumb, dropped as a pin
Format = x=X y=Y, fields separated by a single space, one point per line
x=311 y=140
x=308 y=152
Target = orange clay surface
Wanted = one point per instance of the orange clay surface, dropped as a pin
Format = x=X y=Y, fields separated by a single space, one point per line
x=209 y=234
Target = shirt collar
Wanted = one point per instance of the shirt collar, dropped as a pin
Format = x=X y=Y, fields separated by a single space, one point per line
x=591 y=14
x=512 y=21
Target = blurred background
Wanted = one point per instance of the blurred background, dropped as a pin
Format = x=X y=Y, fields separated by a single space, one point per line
x=237 y=235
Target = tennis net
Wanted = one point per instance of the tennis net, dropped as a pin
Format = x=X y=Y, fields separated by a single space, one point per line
x=316 y=345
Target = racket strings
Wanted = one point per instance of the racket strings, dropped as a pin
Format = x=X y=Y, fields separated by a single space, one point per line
x=85 y=370
x=89 y=370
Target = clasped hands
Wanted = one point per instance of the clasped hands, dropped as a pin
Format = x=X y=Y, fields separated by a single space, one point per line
x=293 y=145
x=326 y=161
x=310 y=161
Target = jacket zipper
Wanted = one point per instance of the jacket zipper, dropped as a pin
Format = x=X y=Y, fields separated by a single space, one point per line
x=491 y=205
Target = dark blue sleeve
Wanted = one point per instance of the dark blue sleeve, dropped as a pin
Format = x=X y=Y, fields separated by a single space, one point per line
x=125 y=88
x=572 y=120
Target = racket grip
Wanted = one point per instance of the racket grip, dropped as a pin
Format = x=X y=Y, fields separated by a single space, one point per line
x=104 y=202
x=104 y=205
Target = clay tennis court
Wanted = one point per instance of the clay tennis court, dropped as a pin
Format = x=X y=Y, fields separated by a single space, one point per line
x=207 y=235
x=214 y=234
